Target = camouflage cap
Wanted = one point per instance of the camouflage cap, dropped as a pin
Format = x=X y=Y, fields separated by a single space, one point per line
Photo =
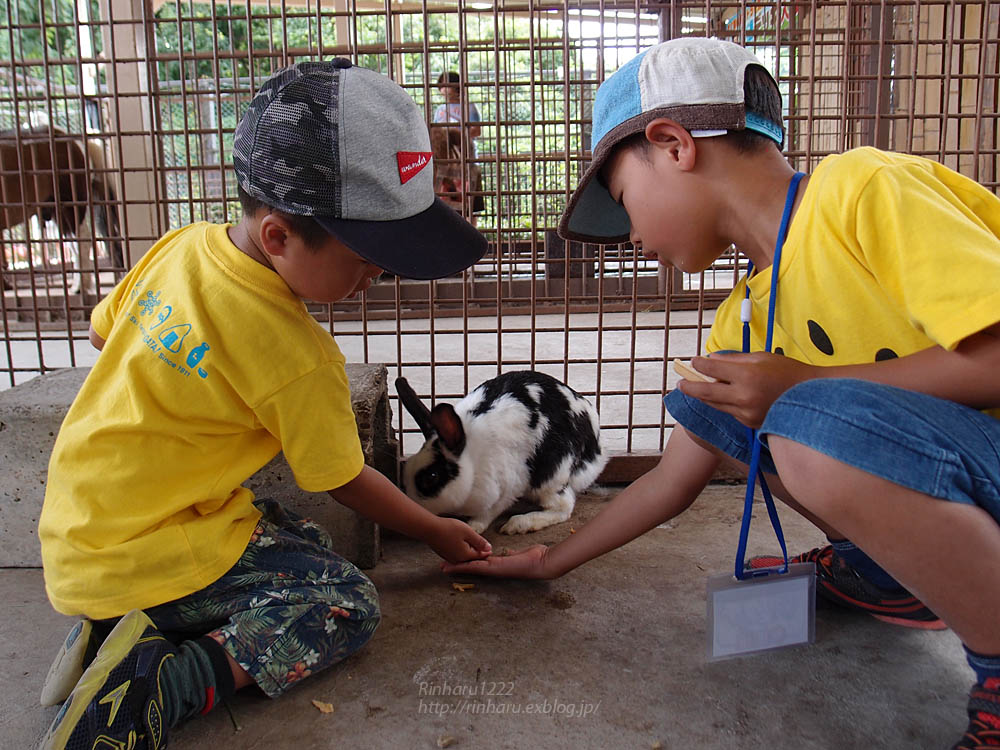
x=349 y=147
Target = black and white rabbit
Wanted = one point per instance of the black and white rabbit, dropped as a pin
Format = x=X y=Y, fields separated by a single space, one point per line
x=521 y=434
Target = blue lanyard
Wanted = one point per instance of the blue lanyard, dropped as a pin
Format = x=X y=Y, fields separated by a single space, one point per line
x=755 y=474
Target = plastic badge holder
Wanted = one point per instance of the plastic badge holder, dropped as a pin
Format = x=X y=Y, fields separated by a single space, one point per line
x=760 y=610
x=761 y=613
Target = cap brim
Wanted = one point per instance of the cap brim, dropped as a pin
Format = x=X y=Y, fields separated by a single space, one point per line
x=432 y=244
x=592 y=215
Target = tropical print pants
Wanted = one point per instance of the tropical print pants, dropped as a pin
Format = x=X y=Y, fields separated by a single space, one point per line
x=289 y=608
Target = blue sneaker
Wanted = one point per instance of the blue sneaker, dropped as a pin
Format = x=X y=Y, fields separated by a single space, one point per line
x=118 y=702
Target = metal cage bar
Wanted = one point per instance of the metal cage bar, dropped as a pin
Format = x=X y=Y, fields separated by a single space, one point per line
x=157 y=87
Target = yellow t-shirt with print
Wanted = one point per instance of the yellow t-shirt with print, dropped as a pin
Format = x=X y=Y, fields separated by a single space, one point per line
x=887 y=255
x=211 y=366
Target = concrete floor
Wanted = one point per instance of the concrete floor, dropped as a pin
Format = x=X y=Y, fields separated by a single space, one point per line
x=621 y=639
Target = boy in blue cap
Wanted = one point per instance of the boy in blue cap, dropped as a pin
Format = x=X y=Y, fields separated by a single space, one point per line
x=878 y=406
x=210 y=365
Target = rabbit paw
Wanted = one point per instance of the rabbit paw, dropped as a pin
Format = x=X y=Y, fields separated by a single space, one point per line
x=521 y=524
x=535 y=521
x=478 y=525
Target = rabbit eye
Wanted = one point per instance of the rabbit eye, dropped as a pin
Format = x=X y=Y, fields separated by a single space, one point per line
x=428 y=482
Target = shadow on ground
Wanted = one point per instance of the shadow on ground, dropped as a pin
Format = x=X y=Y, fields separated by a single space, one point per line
x=611 y=655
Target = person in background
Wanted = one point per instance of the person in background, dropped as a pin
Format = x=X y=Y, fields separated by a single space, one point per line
x=454 y=149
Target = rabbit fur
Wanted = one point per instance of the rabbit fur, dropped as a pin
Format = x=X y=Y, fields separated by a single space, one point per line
x=521 y=434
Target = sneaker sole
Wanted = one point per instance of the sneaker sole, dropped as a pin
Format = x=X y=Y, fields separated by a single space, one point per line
x=68 y=666
x=835 y=596
x=916 y=624
x=126 y=634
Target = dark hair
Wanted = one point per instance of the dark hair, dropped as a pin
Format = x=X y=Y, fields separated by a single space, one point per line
x=760 y=96
x=450 y=78
x=312 y=234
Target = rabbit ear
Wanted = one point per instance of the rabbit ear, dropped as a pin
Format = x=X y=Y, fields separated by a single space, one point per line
x=415 y=406
x=449 y=428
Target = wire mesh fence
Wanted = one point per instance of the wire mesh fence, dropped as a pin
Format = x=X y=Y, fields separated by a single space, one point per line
x=118 y=116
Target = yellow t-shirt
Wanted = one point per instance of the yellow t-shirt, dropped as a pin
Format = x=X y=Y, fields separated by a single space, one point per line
x=212 y=365
x=887 y=255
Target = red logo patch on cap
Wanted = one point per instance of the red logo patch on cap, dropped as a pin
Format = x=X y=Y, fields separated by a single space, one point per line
x=410 y=163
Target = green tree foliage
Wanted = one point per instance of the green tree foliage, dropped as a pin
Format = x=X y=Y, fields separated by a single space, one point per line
x=45 y=41
x=45 y=31
x=219 y=47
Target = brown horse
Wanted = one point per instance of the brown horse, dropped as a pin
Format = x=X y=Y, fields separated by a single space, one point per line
x=48 y=173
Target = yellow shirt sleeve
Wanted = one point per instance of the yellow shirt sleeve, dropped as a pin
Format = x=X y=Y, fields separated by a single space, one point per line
x=321 y=445
x=931 y=238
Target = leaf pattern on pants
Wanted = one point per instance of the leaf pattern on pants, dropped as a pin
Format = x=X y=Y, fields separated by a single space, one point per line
x=287 y=609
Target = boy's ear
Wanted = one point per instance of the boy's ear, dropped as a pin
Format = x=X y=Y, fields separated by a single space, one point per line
x=674 y=140
x=274 y=234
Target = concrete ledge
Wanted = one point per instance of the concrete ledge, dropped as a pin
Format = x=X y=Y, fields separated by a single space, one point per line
x=31 y=414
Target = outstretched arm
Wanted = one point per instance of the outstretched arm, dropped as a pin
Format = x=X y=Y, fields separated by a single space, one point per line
x=657 y=496
x=372 y=495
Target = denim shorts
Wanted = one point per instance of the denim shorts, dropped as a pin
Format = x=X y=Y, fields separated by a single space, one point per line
x=936 y=447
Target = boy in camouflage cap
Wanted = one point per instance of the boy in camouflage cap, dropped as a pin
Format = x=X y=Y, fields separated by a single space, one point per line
x=210 y=365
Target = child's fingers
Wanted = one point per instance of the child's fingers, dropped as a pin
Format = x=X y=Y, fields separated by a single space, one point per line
x=689 y=373
x=481 y=545
x=473 y=566
x=718 y=366
x=479 y=554
x=713 y=394
x=716 y=395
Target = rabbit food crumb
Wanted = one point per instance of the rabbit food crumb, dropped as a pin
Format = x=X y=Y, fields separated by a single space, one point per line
x=326 y=708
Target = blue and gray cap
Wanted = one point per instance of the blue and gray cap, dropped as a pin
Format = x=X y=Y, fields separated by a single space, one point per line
x=350 y=148
x=694 y=81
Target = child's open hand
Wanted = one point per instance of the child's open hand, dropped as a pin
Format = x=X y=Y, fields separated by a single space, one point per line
x=526 y=563
x=747 y=383
x=456 y=542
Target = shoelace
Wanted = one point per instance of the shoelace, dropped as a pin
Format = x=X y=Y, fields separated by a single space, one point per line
x=822 y=556
x=983 y=736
